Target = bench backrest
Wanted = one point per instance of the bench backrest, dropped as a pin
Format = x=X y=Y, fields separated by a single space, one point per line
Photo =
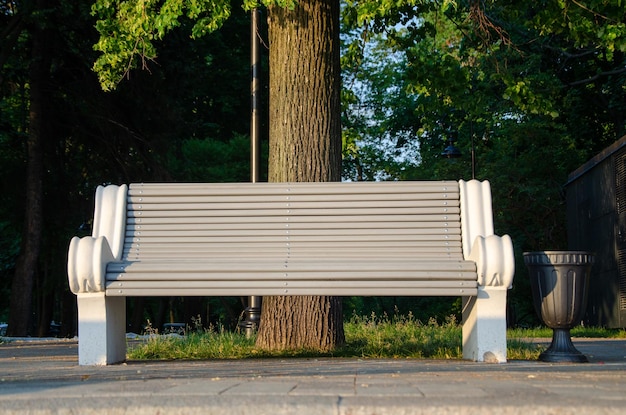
x=278 y=219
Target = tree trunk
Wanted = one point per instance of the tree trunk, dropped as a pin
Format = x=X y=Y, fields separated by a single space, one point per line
x=27 y=262
x=305 y=146
x=305 y=107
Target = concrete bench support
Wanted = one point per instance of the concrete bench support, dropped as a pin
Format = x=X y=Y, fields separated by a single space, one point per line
x=101 y=328
x=432 y=238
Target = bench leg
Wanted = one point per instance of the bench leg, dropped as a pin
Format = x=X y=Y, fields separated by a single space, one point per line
x=484 y=326
x=101 y=329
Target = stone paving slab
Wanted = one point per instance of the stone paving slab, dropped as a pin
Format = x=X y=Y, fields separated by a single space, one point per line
x=44 y=378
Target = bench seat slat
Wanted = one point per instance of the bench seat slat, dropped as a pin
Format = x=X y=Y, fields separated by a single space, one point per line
x=293 y=203
x=331 y=239
x=408 y=249
x=282 y=198
x=350 y=214
x=293 y=264
x=199 y=256
x=254 y=207
x=252 y=244
x=219 y=273
x=278 y=284
x=281 y=233
x=300 y=219
x=337 y=292
x=427 y=276
x=247 y=189
x=419 y=248
x=322 y=275
x=284 y=225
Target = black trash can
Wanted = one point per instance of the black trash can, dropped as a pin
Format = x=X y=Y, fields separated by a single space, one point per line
x=560 y=282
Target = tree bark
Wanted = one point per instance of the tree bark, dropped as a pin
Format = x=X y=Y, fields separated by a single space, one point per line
x=305 y=146
x=27 y=263
x=305 y=112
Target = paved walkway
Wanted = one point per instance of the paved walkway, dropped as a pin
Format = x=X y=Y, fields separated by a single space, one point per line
x=42 y=377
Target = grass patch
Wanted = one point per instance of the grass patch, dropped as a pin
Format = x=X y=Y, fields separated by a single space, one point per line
x=578 y=331
x=207 y=344
x=401 y=337
x=366 y=337
x=522 y=349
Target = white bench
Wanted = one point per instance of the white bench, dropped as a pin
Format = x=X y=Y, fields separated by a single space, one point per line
x=432 y=238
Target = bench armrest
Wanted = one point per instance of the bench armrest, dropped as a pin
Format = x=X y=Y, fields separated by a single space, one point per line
x=86 y=264
x=109 y=219
x=493 y=254
x=495 y=261
x=88 y=257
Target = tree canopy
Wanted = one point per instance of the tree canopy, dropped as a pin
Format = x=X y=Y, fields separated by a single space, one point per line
x=527 y=91
x=130 y=29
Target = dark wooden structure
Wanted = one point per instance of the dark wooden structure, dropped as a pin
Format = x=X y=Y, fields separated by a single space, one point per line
x=596 y=221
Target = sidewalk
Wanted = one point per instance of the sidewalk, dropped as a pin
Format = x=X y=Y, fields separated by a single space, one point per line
x=42 y=377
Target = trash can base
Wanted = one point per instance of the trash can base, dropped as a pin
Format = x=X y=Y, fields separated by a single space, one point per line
x=562 y=349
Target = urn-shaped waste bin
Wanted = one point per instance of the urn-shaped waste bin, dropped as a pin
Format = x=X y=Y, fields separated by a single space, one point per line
x=559 y=281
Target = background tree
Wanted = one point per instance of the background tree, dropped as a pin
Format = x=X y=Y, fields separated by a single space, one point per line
x=156 y=128
x=21 y=20
x=520 y=82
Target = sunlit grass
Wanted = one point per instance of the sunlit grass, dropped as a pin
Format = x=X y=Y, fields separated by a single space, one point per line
x=195 y=345
x=401 y=337
x=522 y=349
x=578 y=331
x=366 y=337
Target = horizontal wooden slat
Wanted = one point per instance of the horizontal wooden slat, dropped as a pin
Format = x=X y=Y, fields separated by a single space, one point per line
x=249 y=243
x=182 y=273
x=329 y=219
x=283 y=225
x=324 y=248
x=321 y=276
x=371 y=266
x=260 y=213
x=294 y=239
x=408 y=247
x=376 y=234
x=247 y=189
x=277 y=284
x=402 y=249
x=389 y=199
x=330 y=291
x=234 y=256
x=338 y=205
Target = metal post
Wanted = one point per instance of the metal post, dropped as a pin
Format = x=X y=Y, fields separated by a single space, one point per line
x=473 y=150
x=252 y=313
x=473 y=160
x=255 y=72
